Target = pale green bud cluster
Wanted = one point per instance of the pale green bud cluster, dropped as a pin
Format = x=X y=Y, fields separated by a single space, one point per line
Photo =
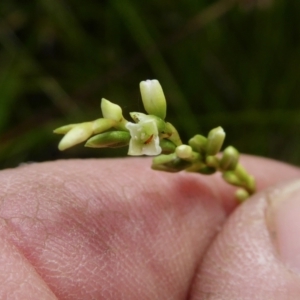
x=150 y=134
x=147 y=135
x=78 y=133
x=202 y=155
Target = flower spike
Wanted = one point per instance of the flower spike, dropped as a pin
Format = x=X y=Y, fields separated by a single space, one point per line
x=149 y=134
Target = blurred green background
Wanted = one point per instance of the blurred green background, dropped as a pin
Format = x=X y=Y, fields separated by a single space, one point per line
x=229 y=63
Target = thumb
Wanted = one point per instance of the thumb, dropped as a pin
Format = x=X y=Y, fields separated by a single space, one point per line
x=257 y=254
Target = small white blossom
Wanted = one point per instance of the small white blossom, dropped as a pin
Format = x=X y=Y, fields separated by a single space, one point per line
x=144 y=138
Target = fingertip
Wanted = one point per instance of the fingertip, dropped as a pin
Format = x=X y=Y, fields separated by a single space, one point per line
x=244 y=261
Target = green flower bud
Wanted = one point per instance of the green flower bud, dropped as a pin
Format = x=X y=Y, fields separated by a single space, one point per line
x=167 y=146
x=229 y=159
x=215 y=141
x=198 y=143
x=64 y=129
x=76 y=135
x=171 y=134
x=251 y=186
x=241 y=173
x=169 y=163
x=196 y=167
x=212 y=161
x=184 y=152
x=111 y=111
x=247 y=180
x=241 y=195
x=101 y=125
x=153 y=98
x=111 y=139
x=207 y=170
x=232 y=178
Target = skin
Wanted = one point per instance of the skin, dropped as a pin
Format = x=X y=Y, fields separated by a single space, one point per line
x=115 y=229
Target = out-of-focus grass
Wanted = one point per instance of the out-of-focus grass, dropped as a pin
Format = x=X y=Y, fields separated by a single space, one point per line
x=219 y=64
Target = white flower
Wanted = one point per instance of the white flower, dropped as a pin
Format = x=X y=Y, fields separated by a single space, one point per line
x=144 y=138
x=153 y=98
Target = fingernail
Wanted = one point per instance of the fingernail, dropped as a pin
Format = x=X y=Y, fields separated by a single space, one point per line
x=283 y=219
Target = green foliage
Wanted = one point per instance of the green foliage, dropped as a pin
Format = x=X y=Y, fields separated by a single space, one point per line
x=219 y=64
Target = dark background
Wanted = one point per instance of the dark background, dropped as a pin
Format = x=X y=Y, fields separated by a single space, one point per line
x=229 y=63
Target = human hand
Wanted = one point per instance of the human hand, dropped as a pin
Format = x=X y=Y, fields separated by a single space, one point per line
x=115 y=229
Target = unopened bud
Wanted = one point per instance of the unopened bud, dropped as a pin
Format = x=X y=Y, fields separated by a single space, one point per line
x=101 y=125
x=167 y=146
x=207 y=170
x=198 y=143
x=153 y=98
x=76 y=135
x=169 y=163
x=241 y=195
x=231 y=178
x=64 y=129
x=212 y=161
x=111 y=111
x=184 y=151
x=229 y=159
x=172 y=134
x=246 y=178
x=215 y=141
x=111 y=139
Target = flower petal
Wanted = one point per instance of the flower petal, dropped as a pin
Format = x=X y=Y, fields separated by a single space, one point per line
x=144 y=138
